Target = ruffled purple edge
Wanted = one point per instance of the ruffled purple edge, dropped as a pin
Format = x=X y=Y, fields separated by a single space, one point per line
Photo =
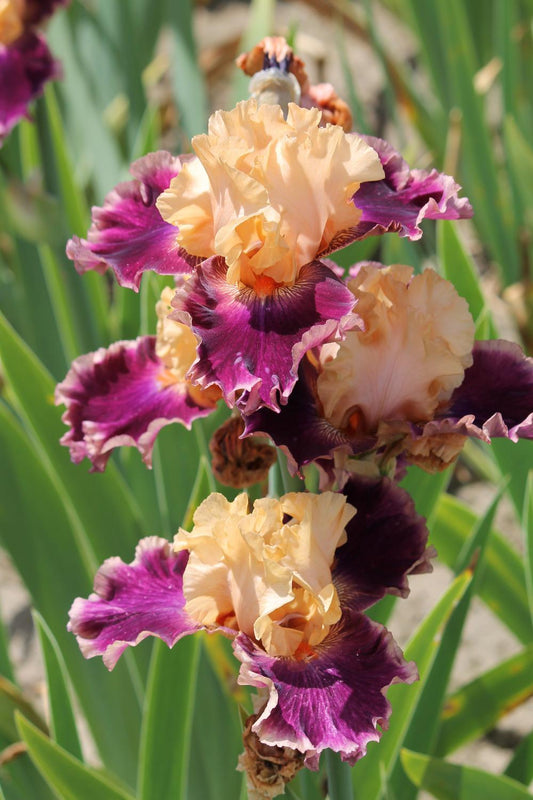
x=25 y=66
x=128 y=234
x=333 y=696
x=495 y=399
x=251 y=346
x=334 y=699
x=401 y=200
x=114 y=398
x=133 y=601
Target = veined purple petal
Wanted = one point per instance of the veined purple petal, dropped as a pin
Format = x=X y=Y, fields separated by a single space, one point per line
x=133 y=601
x=496 y=396
x=401 y=200
x=25 y=66
x=119 y=397
x=386 y=543
x=128 y=234
x=253 y=344
x=405 y=197
x=334 y=699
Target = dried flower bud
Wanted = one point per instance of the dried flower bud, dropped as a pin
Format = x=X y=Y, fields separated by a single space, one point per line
x=334 y=110
x=268 y=768
x=273 y=51
x=239 y=462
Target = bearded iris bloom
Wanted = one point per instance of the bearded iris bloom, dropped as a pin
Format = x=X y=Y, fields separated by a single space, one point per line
x=250 y=218
x=26 y=63
x=288 y=582
x=409 y=383
x=124 y=395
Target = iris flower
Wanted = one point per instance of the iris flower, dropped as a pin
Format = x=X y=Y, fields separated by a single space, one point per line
x=25 y=60
x=250 y=218
x=409 y=382
x=125 y=394
x=288 y=582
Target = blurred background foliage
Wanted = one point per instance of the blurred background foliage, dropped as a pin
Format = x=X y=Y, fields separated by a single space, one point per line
x=450 y=85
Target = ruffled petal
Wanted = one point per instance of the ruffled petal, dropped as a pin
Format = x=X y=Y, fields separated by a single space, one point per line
x=25 y=66
x=405 y=197
x=133 y=601
x=128 y=234
x=386 y=543
x=496 y=396
x=399 y=202
x=332 y=699
x=121 y=396
x=253 y=344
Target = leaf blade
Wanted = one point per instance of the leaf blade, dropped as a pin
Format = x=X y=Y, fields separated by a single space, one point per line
x=67 y=776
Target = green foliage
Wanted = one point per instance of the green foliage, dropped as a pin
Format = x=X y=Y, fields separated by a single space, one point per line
x=371 y=776
x=62 y=722
x=71 y=779
x=475 y=709
x=451 y=782
x=165 y=723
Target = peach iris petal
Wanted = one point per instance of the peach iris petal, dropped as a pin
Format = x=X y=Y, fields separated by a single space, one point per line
x=268 y=194
x=256 y=573
x=176 y=348
x=176 y=343
x=416 y=345
x=11 y=24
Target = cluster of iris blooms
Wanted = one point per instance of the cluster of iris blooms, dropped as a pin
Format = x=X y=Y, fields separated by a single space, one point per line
x=358 y=374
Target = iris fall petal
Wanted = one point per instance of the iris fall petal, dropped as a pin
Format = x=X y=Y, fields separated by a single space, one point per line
x=128 y=234
x=133 y=601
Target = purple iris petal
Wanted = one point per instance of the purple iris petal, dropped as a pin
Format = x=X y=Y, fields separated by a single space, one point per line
x=133 y=601
x=496 y=396
x=405 y=197
x=334 y=699
x=386 y=543
x=401 y=200
x=253 y=344
x=115 y=398
x=128 y=234
x=25 y=66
